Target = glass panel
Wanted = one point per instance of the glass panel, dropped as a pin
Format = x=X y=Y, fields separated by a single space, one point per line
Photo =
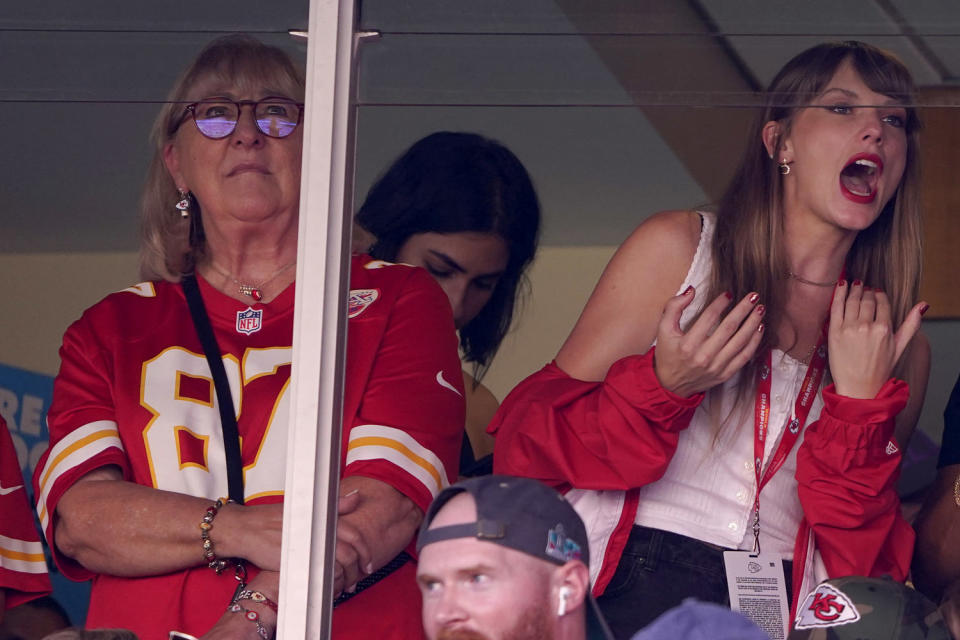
x=177 y=16
x=529 y=16
x=605 y=70
x=618 y=109
x=74 y=147
x=117 y=67
x=81 y=106
x=677 y=83
x=80 y=86
x=573 y=172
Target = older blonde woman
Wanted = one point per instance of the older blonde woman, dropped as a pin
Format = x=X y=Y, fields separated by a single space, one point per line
x=164 y=478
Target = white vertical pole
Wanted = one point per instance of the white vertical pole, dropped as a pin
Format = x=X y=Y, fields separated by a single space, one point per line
x=313 y=447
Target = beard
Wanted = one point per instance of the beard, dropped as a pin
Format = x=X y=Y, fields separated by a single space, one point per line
x=535 y=623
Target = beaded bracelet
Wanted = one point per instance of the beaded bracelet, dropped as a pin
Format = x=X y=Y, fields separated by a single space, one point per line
x=258 y=597
x=253 y=617
x=206 y=525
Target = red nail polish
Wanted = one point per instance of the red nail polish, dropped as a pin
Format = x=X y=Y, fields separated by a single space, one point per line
x=728 y=294
x=924 y=309
x=857 y=283
x=687 y=290
x=761 y=309
x=841 y=282
x=753 y=298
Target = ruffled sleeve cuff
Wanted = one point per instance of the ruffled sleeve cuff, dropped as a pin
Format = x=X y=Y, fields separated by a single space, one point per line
x=857 y=423
x=634 y=379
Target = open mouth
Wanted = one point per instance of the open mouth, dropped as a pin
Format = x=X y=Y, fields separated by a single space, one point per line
x=858 y=180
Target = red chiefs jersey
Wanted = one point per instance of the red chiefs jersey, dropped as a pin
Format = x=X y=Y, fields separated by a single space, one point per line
x=134 y=390
x=23 y=569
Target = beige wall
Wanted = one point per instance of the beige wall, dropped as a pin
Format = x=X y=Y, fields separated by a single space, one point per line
x=561 y=280
x=50 y=291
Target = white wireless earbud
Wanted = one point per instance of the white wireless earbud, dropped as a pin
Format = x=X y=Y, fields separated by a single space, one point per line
x=565 y=593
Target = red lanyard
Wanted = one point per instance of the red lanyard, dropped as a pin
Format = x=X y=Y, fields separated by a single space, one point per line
x=801 y=409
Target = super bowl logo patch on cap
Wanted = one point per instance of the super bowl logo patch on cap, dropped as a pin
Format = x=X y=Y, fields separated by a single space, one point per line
x=827 y=606
x=248 y=320
x=561 y=547
x=359 y=300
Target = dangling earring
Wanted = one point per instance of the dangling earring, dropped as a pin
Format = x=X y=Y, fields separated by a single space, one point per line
x=183 y=206
x=784 y=167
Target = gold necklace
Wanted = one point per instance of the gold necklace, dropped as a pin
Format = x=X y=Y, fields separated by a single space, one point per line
x=791 y=274
x=806 y=359
x=254 y=291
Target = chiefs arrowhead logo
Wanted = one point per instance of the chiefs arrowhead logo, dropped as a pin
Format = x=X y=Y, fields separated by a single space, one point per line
x=827 y=606
x=359 y=300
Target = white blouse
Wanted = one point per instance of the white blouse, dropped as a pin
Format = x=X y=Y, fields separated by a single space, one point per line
x=708 y=489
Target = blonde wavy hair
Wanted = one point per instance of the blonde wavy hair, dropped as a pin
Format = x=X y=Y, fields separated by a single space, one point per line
x=168 y=249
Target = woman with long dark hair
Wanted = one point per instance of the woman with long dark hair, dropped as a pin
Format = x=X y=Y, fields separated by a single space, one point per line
x=766 y=345
x=463 y=207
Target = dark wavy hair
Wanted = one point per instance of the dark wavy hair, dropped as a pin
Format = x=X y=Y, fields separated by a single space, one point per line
x=452 y=182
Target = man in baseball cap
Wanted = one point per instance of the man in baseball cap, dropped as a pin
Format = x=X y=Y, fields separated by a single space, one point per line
x=855 y=607
x=504 y=557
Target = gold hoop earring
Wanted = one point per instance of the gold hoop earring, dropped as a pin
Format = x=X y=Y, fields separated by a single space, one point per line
x=784 y=167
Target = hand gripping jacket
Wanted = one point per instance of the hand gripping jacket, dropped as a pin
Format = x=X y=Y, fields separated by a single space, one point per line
x=602 y=441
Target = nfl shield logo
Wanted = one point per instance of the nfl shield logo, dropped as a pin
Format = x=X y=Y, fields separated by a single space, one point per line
x=248 y=321
x=360 y=299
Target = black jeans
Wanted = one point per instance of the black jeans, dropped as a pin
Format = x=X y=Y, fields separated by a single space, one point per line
x=658 y=571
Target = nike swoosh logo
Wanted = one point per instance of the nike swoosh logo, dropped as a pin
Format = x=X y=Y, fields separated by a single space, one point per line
x=5 y=490
x=446 y=385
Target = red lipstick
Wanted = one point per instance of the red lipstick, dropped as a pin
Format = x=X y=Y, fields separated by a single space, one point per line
x=858 y=179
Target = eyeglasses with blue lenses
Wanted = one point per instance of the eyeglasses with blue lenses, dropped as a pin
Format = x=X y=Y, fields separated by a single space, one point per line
x=217 y=117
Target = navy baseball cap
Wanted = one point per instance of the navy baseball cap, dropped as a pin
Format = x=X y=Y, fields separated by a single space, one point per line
x=524 y=515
